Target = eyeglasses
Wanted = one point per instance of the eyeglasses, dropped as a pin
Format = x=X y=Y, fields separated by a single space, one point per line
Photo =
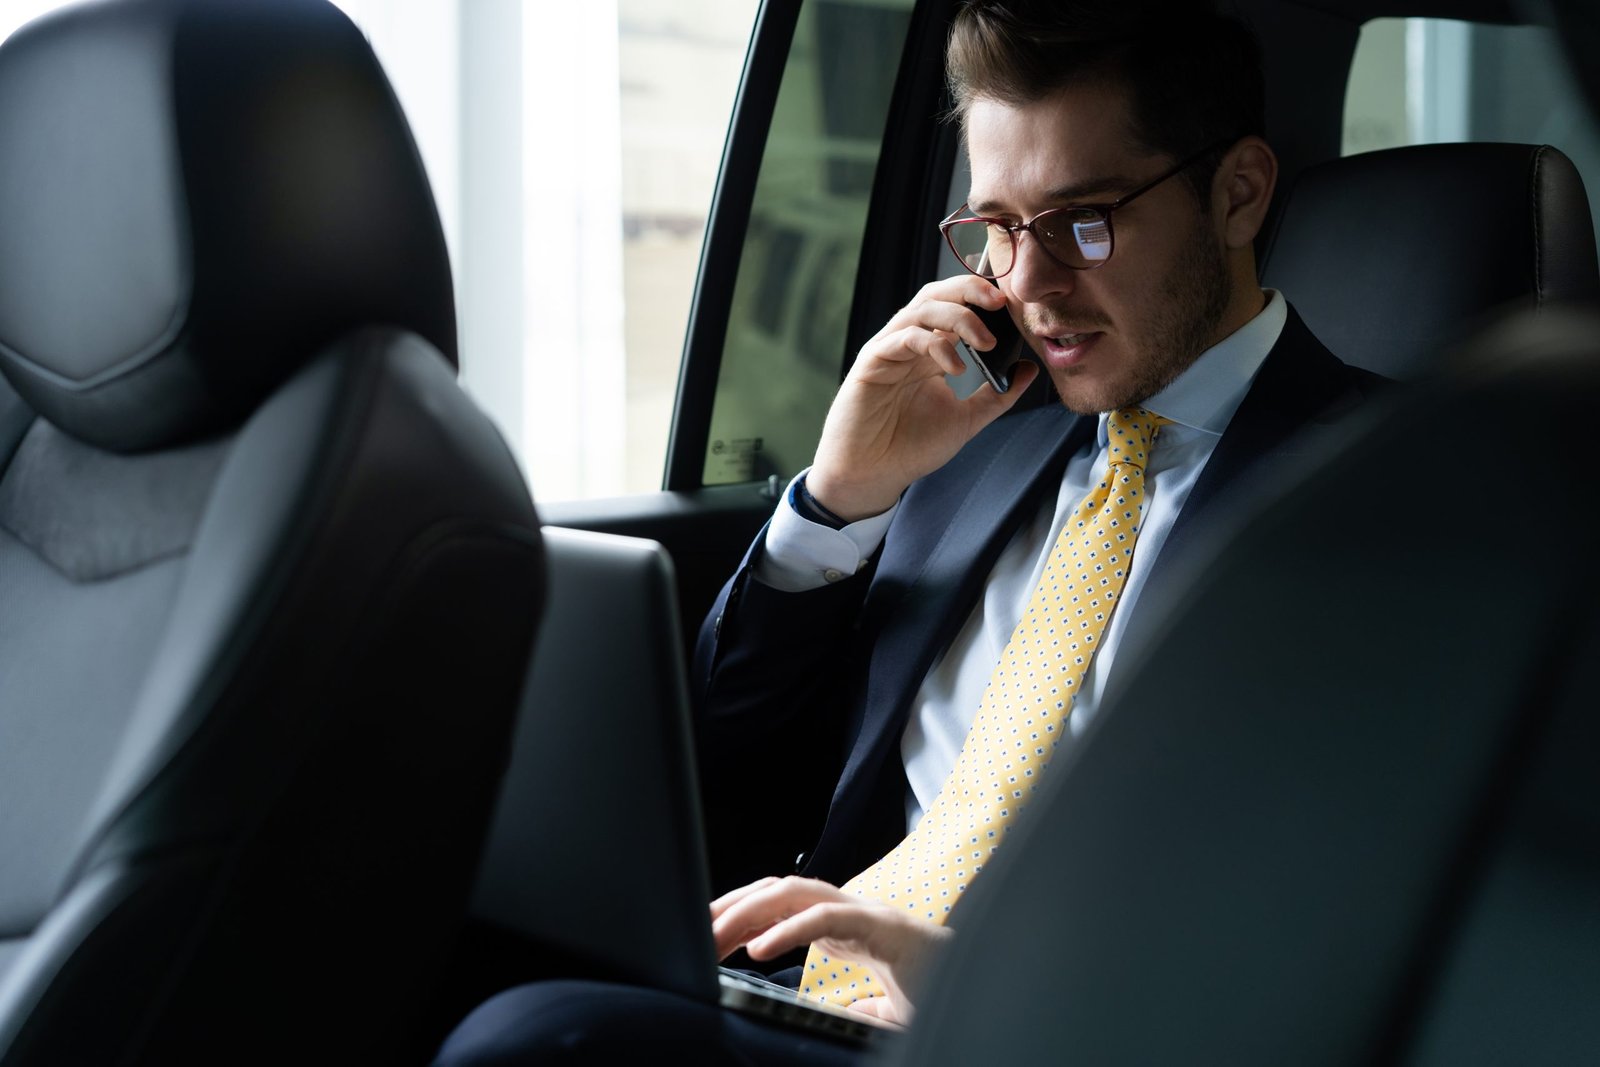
x=1077 y=237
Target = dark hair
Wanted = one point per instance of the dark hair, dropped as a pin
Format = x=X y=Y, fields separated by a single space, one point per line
x=1192 y=75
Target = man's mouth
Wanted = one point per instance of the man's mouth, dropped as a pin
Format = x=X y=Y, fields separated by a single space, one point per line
x=1071 y=340
x=1063 y=349
x=1067 y=341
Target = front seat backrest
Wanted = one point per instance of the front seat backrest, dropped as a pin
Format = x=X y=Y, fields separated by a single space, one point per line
x=268 y=580
x=1391 y=255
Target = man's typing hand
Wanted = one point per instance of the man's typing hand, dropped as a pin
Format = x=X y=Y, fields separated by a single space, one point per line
x=895 y=418
x=774 y=915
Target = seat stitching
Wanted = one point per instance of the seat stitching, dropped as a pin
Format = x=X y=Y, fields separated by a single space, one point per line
x=90 y=577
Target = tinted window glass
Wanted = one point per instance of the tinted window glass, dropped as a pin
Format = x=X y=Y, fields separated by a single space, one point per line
x=791 y=299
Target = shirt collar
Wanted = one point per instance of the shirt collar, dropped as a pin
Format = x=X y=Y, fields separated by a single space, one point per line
x=1210 y=390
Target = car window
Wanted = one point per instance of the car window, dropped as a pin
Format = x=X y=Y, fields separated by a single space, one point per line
x=1424 y=81
x=574 y=182
x=14 y=13
x=783 y=352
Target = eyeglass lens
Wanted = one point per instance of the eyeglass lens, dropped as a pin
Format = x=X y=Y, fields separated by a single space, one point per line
x=1072 y=236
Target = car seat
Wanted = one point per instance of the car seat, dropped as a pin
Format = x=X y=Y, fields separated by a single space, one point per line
x=268 y=579
x=1392 y=256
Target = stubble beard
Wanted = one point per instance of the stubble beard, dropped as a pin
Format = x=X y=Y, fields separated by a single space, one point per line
x=1195 y=294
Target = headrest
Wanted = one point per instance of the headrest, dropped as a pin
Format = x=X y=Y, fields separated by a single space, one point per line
x=1575 y=27
x=195 y=196
x=1389 y=256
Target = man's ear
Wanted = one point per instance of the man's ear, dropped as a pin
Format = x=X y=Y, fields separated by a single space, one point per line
x=1243 y=189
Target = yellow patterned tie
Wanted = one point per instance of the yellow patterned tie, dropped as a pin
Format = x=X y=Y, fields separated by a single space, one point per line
x=1023 y=715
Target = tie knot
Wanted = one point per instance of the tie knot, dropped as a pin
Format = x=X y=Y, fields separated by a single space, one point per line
x=1131 y=432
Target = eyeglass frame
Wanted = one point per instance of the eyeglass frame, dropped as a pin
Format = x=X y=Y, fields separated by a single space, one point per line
x=1103 y=210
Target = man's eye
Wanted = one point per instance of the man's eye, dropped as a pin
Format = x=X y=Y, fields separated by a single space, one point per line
x=1060 y=223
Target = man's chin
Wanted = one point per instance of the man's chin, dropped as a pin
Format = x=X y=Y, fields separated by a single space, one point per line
x=1084 y=396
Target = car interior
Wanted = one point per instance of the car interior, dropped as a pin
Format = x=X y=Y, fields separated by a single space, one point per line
x=270 y=581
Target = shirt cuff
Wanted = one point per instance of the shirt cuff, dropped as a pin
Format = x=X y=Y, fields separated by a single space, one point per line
x=801 y=554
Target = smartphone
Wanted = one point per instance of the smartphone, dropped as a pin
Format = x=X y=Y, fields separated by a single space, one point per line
x=996 y=364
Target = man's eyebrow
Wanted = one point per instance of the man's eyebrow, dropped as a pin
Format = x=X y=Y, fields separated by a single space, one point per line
x=1093 y=190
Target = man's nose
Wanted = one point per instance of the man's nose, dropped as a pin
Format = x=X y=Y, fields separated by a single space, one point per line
x=1035 y=276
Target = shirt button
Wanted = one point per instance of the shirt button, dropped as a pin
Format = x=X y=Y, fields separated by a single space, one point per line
x=832 y=575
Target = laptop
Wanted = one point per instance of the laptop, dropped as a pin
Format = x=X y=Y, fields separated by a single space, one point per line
x=597 y=848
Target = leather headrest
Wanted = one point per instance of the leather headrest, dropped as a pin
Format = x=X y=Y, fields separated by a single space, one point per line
x=195 y=196
x=1389 y=256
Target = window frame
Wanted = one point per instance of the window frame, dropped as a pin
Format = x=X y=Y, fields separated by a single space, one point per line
x=720 y=255
x=900 y=246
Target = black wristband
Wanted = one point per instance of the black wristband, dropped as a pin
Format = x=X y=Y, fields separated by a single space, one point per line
x=806 y=505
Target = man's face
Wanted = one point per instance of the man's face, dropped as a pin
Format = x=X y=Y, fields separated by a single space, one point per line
x=1112 y=336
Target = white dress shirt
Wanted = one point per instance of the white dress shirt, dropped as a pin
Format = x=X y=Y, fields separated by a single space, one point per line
x=1200 y=402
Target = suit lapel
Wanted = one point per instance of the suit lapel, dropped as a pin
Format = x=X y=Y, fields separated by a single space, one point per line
x=950 y=528
x=1300 y=386
x=965 y=518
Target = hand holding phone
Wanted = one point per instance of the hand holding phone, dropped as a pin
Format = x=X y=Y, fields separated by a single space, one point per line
x=896 y=418
x=996 y=364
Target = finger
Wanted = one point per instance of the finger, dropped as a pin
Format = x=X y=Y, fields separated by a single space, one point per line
x=943 y=305
x=943 y=353
x=742 y=921
x=961 y=320
x=767 y=903
x=728 y=899
x=893 y=357
x=880 y=1008
x=989 y=295
x=852 y=927
x=774 y=897
x=963 y=288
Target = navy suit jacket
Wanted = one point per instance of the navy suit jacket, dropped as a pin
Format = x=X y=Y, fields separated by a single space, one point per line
x=801 y=698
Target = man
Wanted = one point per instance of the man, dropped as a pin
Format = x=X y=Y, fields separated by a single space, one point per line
x=871 y=612
x=1120 y=165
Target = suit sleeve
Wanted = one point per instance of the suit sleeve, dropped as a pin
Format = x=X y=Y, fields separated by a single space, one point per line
x=764 y=656
x=769 y=681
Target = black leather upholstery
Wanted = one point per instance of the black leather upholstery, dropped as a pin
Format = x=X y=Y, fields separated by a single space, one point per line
x=229 y=205
x=268 y=579
x=1389 y=255
x=1346 y=810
